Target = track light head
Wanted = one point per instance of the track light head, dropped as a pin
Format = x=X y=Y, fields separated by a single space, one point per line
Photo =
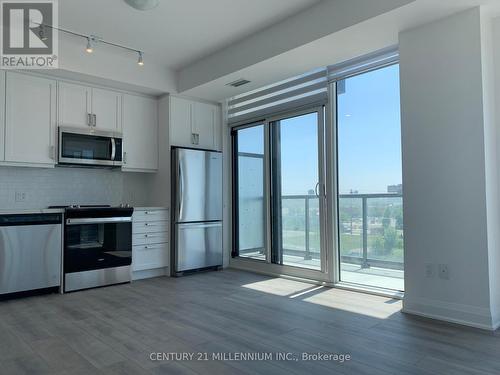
x=89 y=48
x=140 y=60
x=41 y=34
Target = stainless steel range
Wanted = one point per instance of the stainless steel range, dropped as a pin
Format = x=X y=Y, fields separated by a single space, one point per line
x=97 y=246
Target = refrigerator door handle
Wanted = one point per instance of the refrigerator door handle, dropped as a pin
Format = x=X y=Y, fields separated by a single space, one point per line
x=181 y=192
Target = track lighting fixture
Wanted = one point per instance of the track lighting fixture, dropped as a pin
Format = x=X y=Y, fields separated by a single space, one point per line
x=91 y=41
x=41 y=34
x=89 y=48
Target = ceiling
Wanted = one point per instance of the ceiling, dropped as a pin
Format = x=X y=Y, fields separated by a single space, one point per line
x=178 y=32
x=274 y=65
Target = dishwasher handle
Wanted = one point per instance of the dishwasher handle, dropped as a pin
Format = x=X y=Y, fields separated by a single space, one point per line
x=11 y=220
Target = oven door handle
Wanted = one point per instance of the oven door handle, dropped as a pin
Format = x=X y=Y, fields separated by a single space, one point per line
x=100 y=220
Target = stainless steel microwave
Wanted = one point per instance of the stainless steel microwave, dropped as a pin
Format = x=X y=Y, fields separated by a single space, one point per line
x=89 y=147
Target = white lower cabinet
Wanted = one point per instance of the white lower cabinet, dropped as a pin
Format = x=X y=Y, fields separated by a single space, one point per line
x=150 y=250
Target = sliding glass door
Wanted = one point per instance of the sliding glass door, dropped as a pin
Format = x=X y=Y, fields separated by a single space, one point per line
x=323 y=199
x=369 y=169
x=249 y=193
x=297 y=190
x=278 y=203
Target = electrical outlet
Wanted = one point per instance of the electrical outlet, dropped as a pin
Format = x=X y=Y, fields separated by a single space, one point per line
x=20 y=196
x=429 y=270
x=443 y=272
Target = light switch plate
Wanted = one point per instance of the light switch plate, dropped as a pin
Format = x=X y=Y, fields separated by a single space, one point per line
x=443 y=272
x=429 y=270
x=20 y=196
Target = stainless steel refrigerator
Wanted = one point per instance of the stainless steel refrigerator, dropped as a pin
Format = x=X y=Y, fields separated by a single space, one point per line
x=196 y=210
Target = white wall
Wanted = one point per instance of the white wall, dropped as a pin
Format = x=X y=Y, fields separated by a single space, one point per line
x=161 y=180
x=62 y=186
x=446 y=168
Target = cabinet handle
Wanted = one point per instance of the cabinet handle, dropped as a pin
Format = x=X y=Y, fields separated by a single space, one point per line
x=124 y=157
x=195 y=138
x=95 y=119
x=89 y=119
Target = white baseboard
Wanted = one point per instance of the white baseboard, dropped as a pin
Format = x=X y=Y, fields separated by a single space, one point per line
x=147 y=274
x=477 y=317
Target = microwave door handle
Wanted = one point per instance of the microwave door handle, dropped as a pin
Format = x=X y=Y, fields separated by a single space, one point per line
x=113 y=149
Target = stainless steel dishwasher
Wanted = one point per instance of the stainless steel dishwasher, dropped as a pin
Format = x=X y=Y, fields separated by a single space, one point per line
x=30 y=252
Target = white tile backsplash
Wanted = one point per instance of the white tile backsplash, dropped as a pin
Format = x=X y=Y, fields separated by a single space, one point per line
x=62 y=186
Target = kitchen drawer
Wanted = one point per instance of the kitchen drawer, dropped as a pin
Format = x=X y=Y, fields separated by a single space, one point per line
x=149 y=227
x=149 y=238
x=154 y=215
x=147 y=257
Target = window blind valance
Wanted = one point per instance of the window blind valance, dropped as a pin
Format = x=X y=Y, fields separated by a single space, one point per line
x=308 y=88
x=377 y=59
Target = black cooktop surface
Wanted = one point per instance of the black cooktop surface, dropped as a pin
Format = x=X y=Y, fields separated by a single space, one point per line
x=95 y=211
x=82 y=206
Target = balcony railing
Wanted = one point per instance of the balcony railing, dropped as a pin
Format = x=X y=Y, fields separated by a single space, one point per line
x=371 y=232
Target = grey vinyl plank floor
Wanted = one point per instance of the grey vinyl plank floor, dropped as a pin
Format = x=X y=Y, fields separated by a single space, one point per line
x=114 y=330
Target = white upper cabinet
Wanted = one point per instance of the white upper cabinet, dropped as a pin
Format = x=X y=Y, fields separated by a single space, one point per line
x=31 y=108
x=106 y=109
x=140 y=133
x=30 y=113
x=180 y=121
x=194 y=124
x=2 y=115
x=83 y=106
x=204 y=124
x=74 y=105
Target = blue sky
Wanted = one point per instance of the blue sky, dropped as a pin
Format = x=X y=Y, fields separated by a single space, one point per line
x=369 y=138
x=369 y=132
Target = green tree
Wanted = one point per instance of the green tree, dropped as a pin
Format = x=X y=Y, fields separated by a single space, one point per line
x=378 y=244
x=386 y=220
x=390 y=239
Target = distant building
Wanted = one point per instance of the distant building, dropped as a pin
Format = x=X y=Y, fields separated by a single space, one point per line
x=395 y=189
